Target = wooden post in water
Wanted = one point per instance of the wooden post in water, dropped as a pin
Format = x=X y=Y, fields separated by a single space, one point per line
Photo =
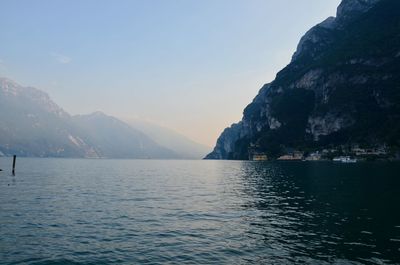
x=13 y=168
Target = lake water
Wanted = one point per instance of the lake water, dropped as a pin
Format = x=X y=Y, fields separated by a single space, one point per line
x=66 y=211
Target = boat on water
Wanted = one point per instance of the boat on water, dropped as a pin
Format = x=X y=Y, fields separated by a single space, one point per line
x=345 y=159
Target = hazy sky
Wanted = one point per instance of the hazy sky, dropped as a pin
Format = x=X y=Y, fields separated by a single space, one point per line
x=190 y=65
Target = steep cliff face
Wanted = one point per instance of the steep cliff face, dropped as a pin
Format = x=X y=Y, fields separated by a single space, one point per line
x=342 y=87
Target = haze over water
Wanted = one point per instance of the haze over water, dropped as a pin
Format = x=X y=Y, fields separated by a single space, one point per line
x=67 y=211
x=174 y=63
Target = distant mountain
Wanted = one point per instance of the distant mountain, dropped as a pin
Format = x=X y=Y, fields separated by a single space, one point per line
x=111 y=137
x=341 y=90
x=180 y=144
x=31 y=124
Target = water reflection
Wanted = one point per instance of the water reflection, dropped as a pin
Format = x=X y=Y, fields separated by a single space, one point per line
x=326 y=211
x=199 y=212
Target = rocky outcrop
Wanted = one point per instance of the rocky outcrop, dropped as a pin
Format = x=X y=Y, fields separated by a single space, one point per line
x=350 y=9
x=320 y=34
x=341 y=88
x=226 y=142
x=325 y=125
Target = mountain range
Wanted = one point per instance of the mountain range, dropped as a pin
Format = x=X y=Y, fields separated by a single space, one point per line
x=31 y=124
x=341 y=90
x=171 y=139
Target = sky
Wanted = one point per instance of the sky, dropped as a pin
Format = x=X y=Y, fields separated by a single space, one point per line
x=189 y=65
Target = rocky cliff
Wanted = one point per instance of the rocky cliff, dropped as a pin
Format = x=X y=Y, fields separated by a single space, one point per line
x=342 y=88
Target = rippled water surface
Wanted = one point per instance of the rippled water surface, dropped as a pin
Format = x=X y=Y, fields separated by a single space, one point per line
x=61 y=211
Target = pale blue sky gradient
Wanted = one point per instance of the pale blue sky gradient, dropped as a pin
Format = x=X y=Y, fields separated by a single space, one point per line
x=188 y=65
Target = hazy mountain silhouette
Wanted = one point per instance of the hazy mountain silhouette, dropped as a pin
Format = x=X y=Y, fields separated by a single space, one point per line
x=31 y=124
x=180 y=144
x=113 y=138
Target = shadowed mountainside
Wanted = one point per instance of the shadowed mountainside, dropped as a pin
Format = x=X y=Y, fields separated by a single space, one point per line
x=341 y=89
